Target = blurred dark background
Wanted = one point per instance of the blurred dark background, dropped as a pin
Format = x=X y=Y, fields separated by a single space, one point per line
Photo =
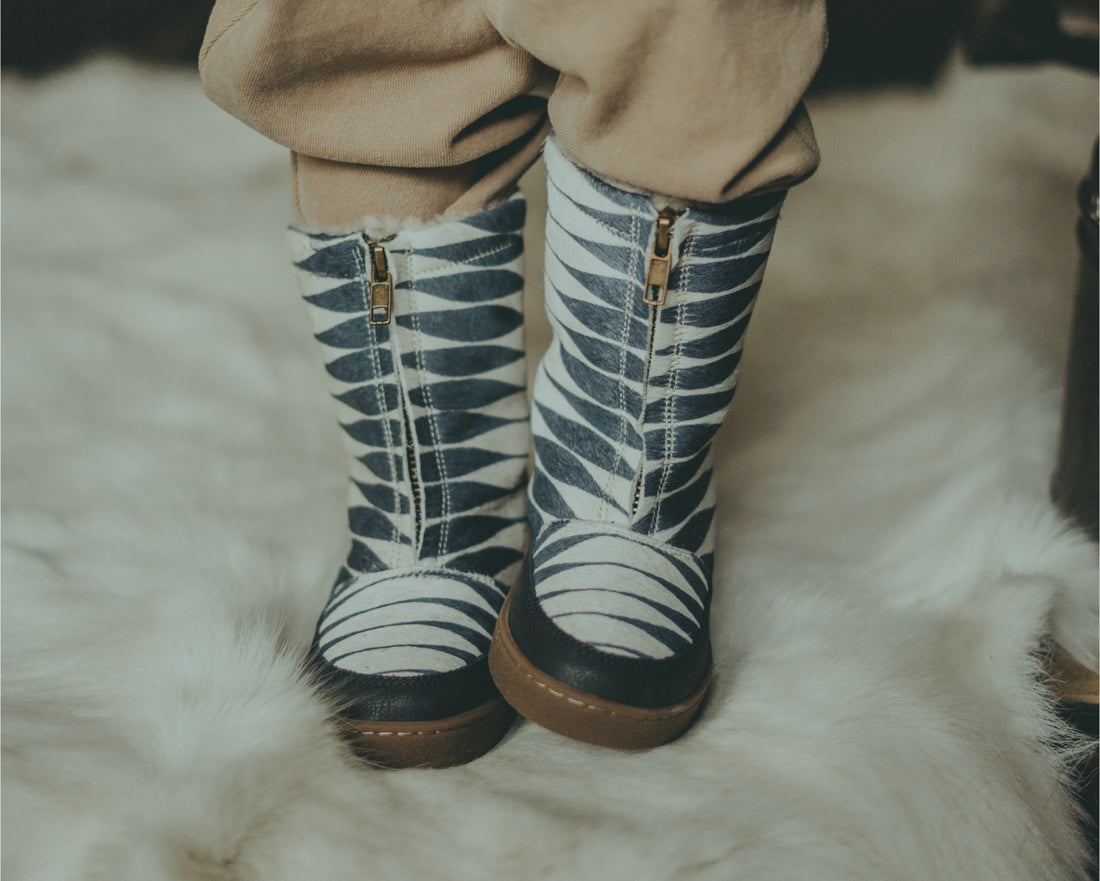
x=872 y=42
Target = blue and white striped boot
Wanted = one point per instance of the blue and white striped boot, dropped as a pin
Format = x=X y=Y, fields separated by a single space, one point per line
x=423 y=341
x=605 y=639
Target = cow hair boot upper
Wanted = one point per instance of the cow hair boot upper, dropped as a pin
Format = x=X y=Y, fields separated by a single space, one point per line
x=605 y=639
x=423 y=342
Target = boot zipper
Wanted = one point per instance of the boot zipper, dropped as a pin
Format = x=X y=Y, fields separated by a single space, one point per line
x=380 y=310
x=660 y=260
x=654 y=294
x=414 y=475
x=381 y=285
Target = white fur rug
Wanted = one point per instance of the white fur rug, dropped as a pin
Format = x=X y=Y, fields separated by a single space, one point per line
x=888 y=559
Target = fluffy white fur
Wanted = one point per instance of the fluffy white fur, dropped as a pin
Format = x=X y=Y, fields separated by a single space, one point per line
x=889 y=562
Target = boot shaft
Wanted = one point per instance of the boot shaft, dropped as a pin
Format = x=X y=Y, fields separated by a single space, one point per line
x=648 y=309
x=423 y=343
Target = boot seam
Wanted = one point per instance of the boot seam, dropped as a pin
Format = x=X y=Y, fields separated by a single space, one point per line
x=624 y=350
x=433 y=429
x=211 y=41
x=487 y=253
x=380 y=395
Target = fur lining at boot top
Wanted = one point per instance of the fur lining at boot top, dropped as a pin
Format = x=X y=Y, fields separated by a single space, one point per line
x=887 y=562
x=378 y=227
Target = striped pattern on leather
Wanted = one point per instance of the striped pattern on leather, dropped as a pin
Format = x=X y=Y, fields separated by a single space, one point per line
x=443 y=384
x=618 y=592
x=629 y=396
x=409 y=622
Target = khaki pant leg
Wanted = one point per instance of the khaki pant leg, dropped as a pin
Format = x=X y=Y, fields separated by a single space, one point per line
x=695 y=99
x=411 y=108
x=401 y=108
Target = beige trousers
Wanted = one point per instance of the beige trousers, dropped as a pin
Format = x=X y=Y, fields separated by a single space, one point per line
x=413 y=108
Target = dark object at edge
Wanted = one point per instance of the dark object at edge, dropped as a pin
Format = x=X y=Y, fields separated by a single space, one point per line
x=1074 y=487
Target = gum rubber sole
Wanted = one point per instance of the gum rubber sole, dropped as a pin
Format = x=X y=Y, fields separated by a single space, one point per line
x=441 y=743
x=577 y=714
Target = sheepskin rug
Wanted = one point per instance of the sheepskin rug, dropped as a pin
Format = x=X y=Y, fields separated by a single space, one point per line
x=889 y=564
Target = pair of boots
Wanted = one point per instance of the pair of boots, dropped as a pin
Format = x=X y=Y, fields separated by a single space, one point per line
x=443 y=619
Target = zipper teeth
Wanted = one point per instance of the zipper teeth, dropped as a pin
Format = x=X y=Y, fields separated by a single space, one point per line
x=381 y=292
x=654 y=294
x=414 y=476
x=649 y=358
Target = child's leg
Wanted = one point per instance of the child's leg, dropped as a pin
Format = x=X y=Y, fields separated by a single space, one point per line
x=606 y=637
x=418 y=109
x=391 y=108
x=423 y=341
x=398 y=113
x=699 y=100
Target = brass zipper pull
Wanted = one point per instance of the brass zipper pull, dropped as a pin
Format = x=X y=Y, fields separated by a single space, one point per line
x=660 y=261
x=381 y=285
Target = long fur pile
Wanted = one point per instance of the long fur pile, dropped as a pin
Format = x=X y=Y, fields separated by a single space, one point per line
x=890 y=567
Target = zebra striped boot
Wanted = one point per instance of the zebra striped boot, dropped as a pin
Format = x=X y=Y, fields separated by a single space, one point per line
x=605 y=639
x=423 y=342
